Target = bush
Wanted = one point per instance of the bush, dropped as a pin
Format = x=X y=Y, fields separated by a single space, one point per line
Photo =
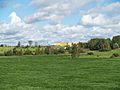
x=19 y=53
x=37 y=51
x=115 y=55
x=90 y=53
x=82 y=51
x=56 y=51
x=28 y=52
x=61 y=50
x=1 y=54
x=9 y=53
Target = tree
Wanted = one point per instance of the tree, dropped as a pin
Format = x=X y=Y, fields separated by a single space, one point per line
x=17 y=51
x=82 y=45
x=115 y=46
x=116 y=39
x=9 y=53
x=60 y=50
x=48 y=50
x=36 y=44
x=99 y=44
x=30 y=43
x=1 y=45
x=104 y=45
x=19 y=44
x=28 y=52
x=92 y=44
x=74 y=51
x=37 y=51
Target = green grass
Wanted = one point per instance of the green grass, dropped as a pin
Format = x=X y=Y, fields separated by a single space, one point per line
x=59 y=73
x=98 y=54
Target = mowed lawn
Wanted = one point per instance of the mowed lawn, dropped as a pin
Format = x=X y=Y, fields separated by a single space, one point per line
x=59 y=73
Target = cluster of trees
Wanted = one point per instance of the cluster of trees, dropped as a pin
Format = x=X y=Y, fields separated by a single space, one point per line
x=39 y=50
x=99 y=44
x=75 y=49
x=104 y=44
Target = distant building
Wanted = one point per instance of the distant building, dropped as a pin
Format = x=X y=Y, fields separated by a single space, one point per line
x=63 y=44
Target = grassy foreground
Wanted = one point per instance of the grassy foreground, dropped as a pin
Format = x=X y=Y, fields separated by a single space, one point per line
x=59 y=73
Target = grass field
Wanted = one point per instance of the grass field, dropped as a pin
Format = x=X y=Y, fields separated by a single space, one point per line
x=59 y=73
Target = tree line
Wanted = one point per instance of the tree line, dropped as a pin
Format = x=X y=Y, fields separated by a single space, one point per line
x=74 y=50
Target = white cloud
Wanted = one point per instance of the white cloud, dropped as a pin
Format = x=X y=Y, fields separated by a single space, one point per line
x=17 y=30
x=59 y=32
x=54 y=10
x=107 y=9
x=53 y=13
x=95 y=19
x=111 y=11
x=14 y=18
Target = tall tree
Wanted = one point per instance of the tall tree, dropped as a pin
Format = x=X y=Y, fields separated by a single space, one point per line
x=19 y=44
x=75 y=50
x=30 y=43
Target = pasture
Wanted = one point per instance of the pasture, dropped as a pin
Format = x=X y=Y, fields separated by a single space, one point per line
x=59 y=72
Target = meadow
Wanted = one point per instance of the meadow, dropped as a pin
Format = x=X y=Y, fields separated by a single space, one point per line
x=60 y=72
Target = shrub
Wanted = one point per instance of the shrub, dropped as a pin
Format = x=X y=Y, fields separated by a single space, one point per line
x=115 y=55
x=61 y=50
x=28 y=52
x=1 y=54
x=82 y=51
x=9 y=53
x=19 y=53
x=37 y=51
x=56 y=51
x=90 y=53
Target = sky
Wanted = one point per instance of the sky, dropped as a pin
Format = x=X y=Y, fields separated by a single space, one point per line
x=52 y=21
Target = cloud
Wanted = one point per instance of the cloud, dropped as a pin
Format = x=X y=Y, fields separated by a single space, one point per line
x=102 y=15
x=16 y=30
x=74 y=33
x=54 y=10
x=53 y=13
x=42 y=16
x=98 y=22
x=14 y=18
x=95 y=19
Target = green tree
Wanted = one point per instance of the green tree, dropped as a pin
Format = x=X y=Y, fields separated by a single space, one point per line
x=37 y=51
x=115 y=46
x=116 y=39
x=28 y=52
x=99 y=44
x=75 y=50
x=30 y=43
x=92 y=44
x=104 y=45
x=48 y=50
x=19 y=44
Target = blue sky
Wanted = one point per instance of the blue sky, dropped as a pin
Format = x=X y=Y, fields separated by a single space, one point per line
x=58 y=21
